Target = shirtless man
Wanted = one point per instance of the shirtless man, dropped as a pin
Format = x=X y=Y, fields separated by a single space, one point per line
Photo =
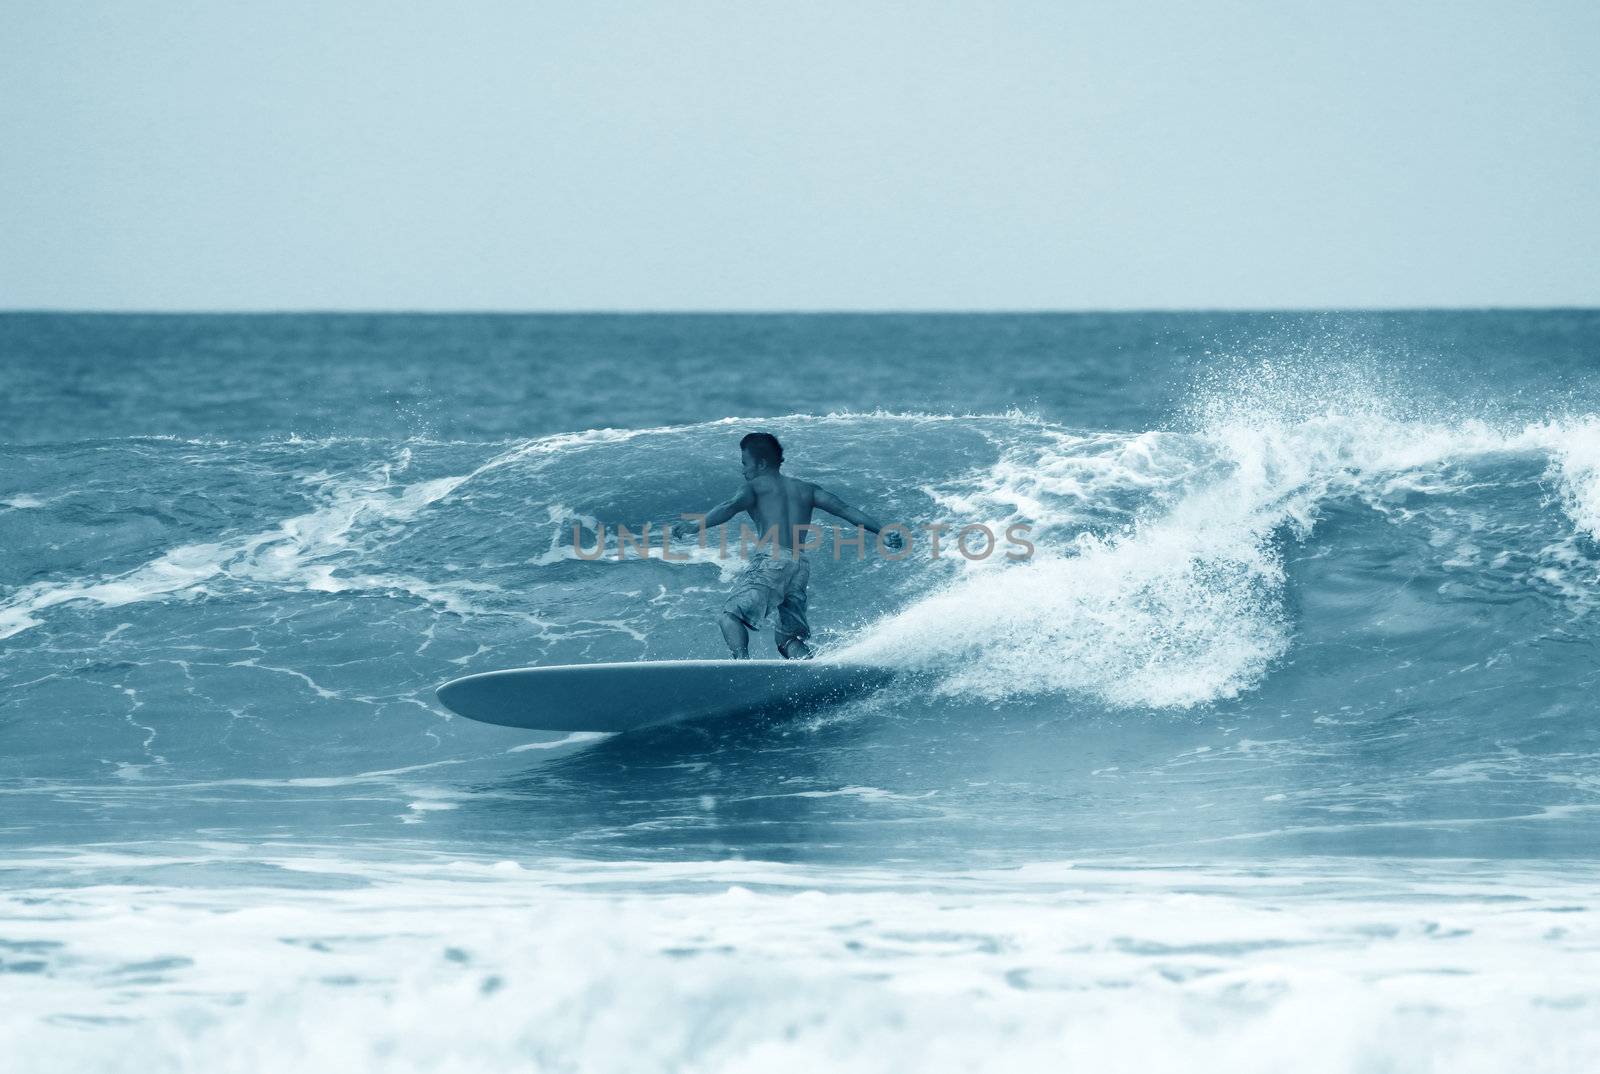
x=774 y=579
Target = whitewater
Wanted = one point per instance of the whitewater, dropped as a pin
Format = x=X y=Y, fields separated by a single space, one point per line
x=1280 y=751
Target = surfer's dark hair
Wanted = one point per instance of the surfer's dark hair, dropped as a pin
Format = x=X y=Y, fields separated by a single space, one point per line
x=763 y=447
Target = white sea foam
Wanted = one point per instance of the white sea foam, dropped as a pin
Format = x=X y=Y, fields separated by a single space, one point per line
x=573 y=738
x=1574 y=447
x=492 y=965
x=1185 y=604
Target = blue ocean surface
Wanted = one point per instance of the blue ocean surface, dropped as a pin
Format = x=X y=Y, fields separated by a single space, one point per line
x=1281 y=752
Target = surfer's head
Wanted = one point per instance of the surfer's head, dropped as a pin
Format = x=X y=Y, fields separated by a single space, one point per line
x=760 y=453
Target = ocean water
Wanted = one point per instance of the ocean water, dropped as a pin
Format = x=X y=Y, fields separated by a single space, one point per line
x=1282 y=751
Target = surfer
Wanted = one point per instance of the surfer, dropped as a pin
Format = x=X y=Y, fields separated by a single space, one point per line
x=775 y=575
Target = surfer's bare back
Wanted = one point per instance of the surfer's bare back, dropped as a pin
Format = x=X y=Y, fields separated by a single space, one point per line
x=774 y=578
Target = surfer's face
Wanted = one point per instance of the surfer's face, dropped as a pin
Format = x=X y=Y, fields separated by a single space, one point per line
x=748 y=466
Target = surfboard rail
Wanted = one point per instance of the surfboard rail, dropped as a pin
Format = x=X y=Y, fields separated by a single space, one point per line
x=626 y=696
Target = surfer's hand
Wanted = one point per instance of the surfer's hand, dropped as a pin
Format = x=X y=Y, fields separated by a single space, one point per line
x=685 y=528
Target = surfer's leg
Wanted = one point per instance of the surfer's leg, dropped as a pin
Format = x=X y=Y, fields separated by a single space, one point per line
x=745 y=608
x=792 y=629
x=736 y=635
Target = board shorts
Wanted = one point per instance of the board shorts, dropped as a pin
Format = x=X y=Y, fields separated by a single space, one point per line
x=772 y=583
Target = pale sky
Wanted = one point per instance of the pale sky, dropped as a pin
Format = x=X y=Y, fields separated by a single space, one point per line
x=338 y=154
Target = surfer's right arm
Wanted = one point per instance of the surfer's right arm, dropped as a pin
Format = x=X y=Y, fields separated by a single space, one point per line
x=742 y=500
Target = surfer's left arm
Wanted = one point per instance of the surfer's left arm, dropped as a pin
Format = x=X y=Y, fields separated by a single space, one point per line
x=830 y=503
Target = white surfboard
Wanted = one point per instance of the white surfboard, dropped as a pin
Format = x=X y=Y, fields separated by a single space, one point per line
x=623 y=697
